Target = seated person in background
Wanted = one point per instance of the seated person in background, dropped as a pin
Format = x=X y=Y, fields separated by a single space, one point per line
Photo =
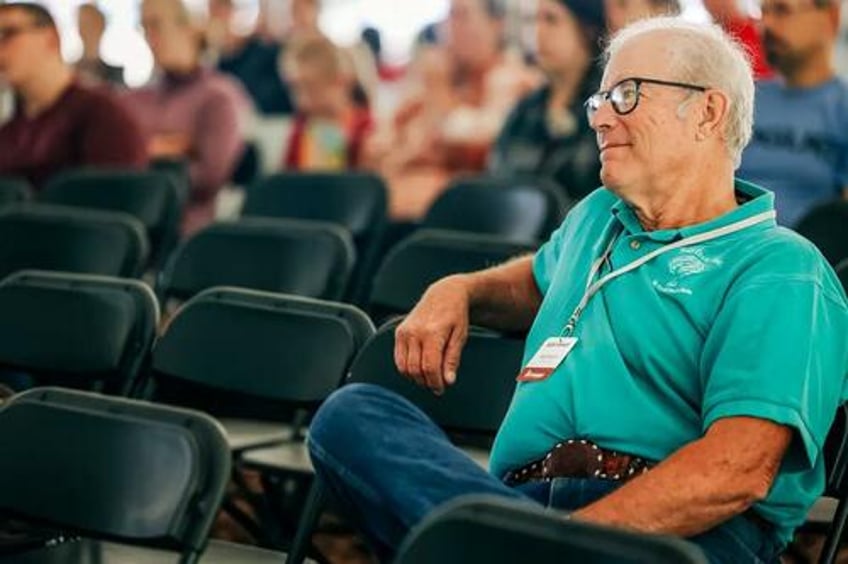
x=621 y=13
x=447 y=126
x=329 y=128
x=800 y=144
x=91 y=24
x=57 y=123
x=247 y=57
x=189 y=111
x=666 y=399
x=547 y=134
x=743 y=27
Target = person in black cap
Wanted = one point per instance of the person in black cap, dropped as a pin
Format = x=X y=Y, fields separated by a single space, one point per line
x=547 y=134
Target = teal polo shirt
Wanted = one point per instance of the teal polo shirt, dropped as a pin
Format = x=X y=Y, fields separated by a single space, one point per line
x=754 y=324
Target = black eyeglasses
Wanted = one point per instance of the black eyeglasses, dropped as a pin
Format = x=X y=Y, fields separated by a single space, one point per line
x=9 y=33
x=624 y=95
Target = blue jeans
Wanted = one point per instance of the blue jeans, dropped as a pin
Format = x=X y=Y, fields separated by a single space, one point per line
x=386 y=465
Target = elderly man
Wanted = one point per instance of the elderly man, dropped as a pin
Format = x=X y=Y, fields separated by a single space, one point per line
x=703 y=359
x=800 y=143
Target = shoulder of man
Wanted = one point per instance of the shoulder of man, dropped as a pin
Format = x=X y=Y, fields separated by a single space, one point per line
x=781 y=256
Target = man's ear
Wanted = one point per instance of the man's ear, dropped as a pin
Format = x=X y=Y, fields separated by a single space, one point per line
x=713 y=114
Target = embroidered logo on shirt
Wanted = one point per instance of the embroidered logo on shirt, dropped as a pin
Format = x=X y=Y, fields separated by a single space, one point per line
x=689 y=262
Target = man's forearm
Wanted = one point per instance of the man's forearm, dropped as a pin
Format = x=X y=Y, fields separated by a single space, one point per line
x=701 y=485
x=504 y=297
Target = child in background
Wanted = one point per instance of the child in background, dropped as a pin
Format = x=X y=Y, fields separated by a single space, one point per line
x=329 y=126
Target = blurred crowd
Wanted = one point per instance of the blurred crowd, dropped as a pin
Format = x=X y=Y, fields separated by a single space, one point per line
x=468 y=102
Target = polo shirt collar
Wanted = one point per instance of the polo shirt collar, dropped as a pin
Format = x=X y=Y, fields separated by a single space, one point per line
x=759 y=200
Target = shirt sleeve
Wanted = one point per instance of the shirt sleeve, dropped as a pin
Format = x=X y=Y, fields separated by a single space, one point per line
x=111 y=136
x=776 y=351
x=546 y=259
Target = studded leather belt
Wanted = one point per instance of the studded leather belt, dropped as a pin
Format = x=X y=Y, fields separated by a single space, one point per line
x=581 y=459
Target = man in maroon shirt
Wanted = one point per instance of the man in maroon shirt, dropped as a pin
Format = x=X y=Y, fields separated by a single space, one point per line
x=57 y=123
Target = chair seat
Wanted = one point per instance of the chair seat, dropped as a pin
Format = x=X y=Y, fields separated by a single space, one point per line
x=243 y=434
x=294 y=457
x=91 y=551
x=822 y=511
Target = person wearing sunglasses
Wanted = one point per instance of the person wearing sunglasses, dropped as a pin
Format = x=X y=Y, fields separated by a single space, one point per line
x=57 y=123
x=685 y=355
x=800 y=144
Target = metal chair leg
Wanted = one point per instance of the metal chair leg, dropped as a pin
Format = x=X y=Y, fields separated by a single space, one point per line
x=308 y=520
x=834 y=534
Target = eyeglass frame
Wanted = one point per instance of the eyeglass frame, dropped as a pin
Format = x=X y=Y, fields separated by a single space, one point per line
x=606 y=95
x=17 y=31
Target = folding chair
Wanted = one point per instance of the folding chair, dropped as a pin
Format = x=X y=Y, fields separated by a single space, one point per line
x=519 y=210
x=75 y=330
x=354 y=200
x=836 y=463
x=152 y=197
x=178 y=170
x=37 y=236
x=499 y=531
x=112 y=468
x=827 y=227
x=304 y=258
x=429 y=255
x=470 y=411
x=254 y=358
x=13 y=191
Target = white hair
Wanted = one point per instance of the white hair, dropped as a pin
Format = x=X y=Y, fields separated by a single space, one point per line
x=705 y=55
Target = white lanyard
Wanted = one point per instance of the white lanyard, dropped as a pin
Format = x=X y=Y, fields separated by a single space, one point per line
x=592 y=289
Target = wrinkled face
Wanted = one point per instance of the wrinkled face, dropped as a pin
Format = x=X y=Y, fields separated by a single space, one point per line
x=620 y=13
x=558 y=37
x=167 y=36
x=795 y=31
x=23 y=42
x=658 y=136
x=473 y=34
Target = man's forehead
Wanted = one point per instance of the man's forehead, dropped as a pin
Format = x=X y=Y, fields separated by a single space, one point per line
x=648 y=55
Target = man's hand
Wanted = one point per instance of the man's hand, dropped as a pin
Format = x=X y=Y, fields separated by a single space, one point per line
x=165 y=145
x=429 y=342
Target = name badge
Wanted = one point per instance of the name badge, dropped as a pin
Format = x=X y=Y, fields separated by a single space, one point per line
x=549 y=356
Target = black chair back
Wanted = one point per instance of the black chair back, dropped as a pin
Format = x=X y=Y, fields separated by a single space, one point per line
x=498 y=531
x=827 y=227
x=113 y=468
x=13 y=190
x=475 y=405
x=354 y=200
x=429 y=255
x=524 y=211
x=249 y=354
x=304 y=258
x=72 y=240
x=76 y=330
x=150 y=196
